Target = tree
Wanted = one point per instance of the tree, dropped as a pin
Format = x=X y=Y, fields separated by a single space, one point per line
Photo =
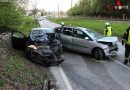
x=10 y=17
x=99 y=7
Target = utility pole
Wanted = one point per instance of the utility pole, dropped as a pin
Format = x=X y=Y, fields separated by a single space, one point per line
x=71 y=3
x=58 y=10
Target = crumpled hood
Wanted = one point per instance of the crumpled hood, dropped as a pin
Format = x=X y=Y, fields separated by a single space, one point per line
x=112 y=39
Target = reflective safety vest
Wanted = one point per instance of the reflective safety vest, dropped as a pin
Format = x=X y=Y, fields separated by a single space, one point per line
x=126 y=37
x=128 y=41
x=108 y=31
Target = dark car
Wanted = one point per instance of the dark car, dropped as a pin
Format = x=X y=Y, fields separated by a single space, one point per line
x=40 y=46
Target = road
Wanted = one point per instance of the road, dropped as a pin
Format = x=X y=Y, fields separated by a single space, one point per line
x=85 y=73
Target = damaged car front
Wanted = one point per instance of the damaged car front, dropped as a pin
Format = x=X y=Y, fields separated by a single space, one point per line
x=109 y=45
x=112 y=45
x=42 y=47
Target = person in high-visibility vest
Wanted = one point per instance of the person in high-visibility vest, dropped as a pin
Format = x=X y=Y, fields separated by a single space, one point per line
x=62 y=24
x=108 y=29
x=126 y=41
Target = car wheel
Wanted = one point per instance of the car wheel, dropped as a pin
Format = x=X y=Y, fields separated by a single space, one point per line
x=98 y=54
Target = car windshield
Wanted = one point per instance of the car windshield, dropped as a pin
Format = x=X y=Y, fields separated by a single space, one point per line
x=94 y=35
x=41 y=31
x=40 y=35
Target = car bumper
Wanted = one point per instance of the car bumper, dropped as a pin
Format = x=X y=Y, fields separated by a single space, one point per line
x=47 y=59
x=111 y=51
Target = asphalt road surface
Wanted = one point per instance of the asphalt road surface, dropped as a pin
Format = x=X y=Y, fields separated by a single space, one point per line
x=85 y=73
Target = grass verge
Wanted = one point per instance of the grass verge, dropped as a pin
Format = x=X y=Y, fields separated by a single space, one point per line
x=17 y=72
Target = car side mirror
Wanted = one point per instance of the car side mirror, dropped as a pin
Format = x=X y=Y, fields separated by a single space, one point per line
x=86 y=38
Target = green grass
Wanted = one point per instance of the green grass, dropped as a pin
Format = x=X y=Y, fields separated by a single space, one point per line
x=18 y=69
x=15 y=69
x=97 y=25
x=28 y=24
x=2 y=82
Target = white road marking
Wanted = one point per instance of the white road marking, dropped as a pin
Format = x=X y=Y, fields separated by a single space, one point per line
x=120 y=47
x=122 y=64
x=65 y=79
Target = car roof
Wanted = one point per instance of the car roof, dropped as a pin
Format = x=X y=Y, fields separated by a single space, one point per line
x=65 y=27
x=73 y=27
x=83 y=29
x=40 y=29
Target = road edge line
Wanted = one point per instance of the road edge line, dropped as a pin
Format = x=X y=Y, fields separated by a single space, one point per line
x=121 y=64
x=65 y=79
x=119 y=43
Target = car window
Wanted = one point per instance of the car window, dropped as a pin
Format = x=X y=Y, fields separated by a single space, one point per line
x=79 y=34
x=41 y=32
x=57 y=30
x=18 y=35
x=67 y=31
x=94 y=35
x=37 y=32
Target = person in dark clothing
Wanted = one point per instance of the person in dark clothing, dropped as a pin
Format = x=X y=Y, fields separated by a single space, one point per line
x=126 y=41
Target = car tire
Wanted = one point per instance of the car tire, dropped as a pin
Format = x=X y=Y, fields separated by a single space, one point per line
x=98 y=54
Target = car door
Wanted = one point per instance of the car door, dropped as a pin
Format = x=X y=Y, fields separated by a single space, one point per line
x=66 y=37
x=81 y=41
x=18 y=40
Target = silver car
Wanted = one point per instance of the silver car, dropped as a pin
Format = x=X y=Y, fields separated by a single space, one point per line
x=87 y=41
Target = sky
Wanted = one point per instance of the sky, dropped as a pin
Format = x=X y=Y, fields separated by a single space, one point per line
x=52 y=5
